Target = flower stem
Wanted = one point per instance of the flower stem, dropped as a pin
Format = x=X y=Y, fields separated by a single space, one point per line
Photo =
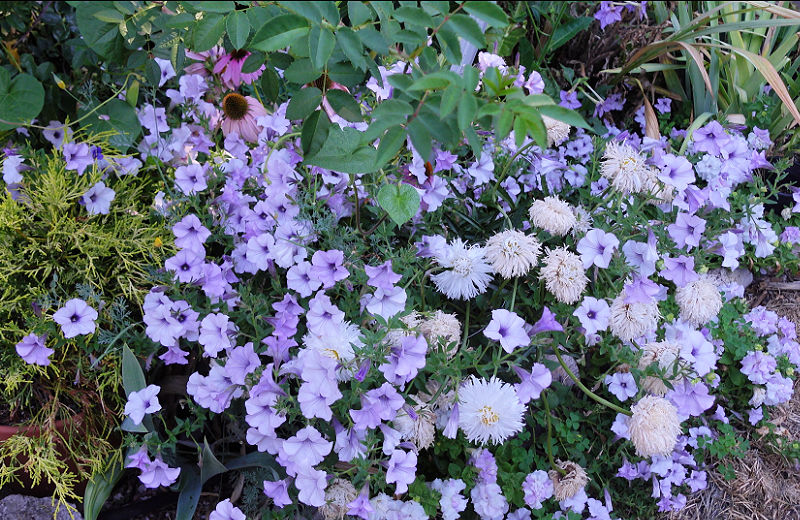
x=466 y=327
x=513 y=294
x=588 y=392
x=549 y=445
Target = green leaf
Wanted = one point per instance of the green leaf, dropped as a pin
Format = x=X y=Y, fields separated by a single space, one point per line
x=280 y=32
x=433 y=7
x=179 y=21
x=270 y=84
x=358 y=12
x=345 y=73
x=208 y=32
x=102 y=37
x=301 y=72
x=238 y=26
x=320 y=46
x=450 y=98
x=420 y=138
x=132 y=374
x=504 y=122
x=21 y=99
x=401 y=201
x=210 y=466
x=109 y=15
x=448 y=42
x=212 y=7
x=352 y=47
x=489 y=12
x=344 y=152
x=132 y=94
x=390 y=145
x=374 y=40
x=467 y=110
x=565 y=115
x=414 y=16
x=314 y=133
x=253 y=62
x=435 y=81
x=328 y=10
x=118 y=117
x=344 y=105
x=303 y=103
x=189 y=488
x=468 y=29
x=128 y=426
x=567 y=31
x=99 y=489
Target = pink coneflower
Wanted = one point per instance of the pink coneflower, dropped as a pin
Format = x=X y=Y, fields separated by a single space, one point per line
x=230 y=65
x=241 y=113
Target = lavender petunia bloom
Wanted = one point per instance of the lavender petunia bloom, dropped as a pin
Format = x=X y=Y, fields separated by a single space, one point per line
x=382 y=276
x=758 y=366
x=78 y=156
x=507 y=328
x=360 y=507
x=608 y=13
x=225 y=510
x=402 y=469
x=676 y=171
x=12 y=166
x=326 y=266
x=191 y=178
x=679 y=270
x=311 y=483
x=699 y=351
x=241 y=362
x=76 y=318
x=157 y=474
x=214 y=334
x=642 y=255
x=278 y=491
x=187 y=265
x=642 y=290
x=710 y=138
x=139 y=459
x=298 y=278
x=379 y=404
x=305 y=449
x=687 y=230
x=593 y=315
x=690 y=399
x=190 y=233
x=98 y=199
x=386 y=302
x=533 y=382
x=622 y=385
x=537 y=487
x=405 y=360
x=33 y=351
x=142 y=402
x=596 y=248
x=569 y=99
x=547 y=323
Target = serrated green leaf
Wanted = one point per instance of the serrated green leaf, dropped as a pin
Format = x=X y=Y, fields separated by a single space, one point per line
x=352 y=47
x=400 y=201
x=280 y=32
x=132 y=94
x=448 y=42
x=303 y=103
x=467 y=110
x=102 y=37
x=373 y=39
x=301 y=72
x=320 y=46
x=208 y=32
x=489 y=12
x=467 y=28
x=345 y=73
x=270 y=84
x=211 y=7
x=238 y=26
x=504 y=122
x=390 y=145
x=450 y=98
x=344 y=151
x=314 y=133
x=253 y=62
x=415 y=16
x=358 y=12
x=344 y=105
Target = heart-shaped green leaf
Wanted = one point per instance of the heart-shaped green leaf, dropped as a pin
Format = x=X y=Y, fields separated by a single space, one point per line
x=21 y=99
x=401 y=202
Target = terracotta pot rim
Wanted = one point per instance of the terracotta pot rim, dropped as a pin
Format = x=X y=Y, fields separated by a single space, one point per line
x=32 y=429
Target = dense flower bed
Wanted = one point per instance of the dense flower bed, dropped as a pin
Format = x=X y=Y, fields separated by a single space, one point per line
x=557 y=330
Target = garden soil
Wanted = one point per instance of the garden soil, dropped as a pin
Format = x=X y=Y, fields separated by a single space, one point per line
x=766 y=485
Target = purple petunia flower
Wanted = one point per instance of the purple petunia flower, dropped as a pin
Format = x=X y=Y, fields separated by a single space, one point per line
x=303 y=450
x=385 y=302
x=360 y=507
x=241 y=362
x=569 y=99
x=687 y=230
x=382 y=276
x=679 y=270
x=404 y=360
x=690 y=399
x=533 y=382
x=596 y=248
x=537 y=487
x=214 y=333
x=33 y=351
x=622 y=385
x=78 y=156
x=593 y=315
x=225 y=510
x=311 y=484
x=157 y=474
x=507 y=328
x=76 y=318
x=187 y=264
x=758 y=366
x=142 y=402
x=298 y=278
x=98 y=199
x=402 y=469
x=608 y=13
x=547 y=323
x=278 y=491
x=710 y=138
x=326 y=266
x=379 y=404
x=191 y=178
x=676 y=171
x=190 y=233
x=663 y=105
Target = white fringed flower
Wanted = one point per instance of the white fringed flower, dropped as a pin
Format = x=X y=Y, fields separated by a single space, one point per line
x=489 y=410
x=563 y=275
x=626 y=168
x=654 y=426
x=629 y=321
x=467 y=273
x=442 y=327
x=666 y=354
x=338 y=494
x=557 y=131
x=699 y=301
x=337 y=342
x=512 y=253
x=553 y=215
x=570 y=483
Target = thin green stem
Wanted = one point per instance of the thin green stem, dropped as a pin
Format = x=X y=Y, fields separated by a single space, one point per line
x=513 y=294
x=586 y=391
x=466 y=327
x=549 y=445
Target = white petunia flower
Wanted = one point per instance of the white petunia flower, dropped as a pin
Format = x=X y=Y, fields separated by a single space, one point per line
x=489 y=410
x=467 y=273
